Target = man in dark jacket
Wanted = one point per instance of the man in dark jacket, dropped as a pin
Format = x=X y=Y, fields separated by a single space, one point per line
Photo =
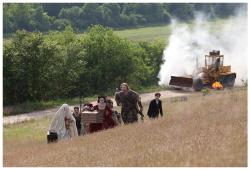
x=155 y=107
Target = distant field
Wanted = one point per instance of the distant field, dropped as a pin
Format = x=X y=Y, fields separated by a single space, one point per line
x=152 y=33
x=146 y=34
x=161 y=33
x=203 y=131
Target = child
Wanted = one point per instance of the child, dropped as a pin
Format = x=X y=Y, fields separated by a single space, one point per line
x=155 y=107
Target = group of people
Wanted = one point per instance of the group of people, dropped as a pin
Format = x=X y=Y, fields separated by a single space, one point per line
x=111 y=118
x=67 y=125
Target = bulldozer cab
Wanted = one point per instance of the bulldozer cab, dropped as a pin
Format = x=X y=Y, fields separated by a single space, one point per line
x=214 y=60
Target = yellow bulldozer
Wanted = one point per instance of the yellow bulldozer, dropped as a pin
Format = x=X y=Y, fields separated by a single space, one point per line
x=212 y=72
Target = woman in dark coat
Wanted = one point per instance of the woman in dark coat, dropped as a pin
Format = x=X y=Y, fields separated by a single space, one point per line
x=155 y=107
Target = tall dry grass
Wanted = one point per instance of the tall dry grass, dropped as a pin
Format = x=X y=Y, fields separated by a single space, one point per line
x=207 y=131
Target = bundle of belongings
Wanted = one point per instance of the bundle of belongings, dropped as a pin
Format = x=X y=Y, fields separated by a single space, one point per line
x=88 y=107
x=52 y=137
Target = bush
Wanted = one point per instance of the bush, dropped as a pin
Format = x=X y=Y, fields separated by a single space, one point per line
x=38 y=67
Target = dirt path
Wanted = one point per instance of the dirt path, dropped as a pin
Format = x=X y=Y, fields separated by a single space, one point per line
x=39 y=114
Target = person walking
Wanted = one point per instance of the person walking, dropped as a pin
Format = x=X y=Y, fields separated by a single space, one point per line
x=129 y=101
x=155 y=107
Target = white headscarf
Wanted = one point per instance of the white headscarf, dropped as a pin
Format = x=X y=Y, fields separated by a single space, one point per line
x=58 y=123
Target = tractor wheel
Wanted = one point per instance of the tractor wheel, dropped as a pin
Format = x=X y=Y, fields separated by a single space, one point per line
x=197 y=84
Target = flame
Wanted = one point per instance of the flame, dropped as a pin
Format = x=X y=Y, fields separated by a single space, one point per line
x=217 y=85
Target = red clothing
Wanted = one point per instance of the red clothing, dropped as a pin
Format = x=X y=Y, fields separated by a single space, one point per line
x=107 y=123
x=94 y=127
x=108 y=120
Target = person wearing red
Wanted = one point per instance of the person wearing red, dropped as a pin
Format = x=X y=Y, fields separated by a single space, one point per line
x=108 y=119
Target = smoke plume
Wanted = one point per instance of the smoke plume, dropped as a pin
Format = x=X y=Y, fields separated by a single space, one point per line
x=189 y=43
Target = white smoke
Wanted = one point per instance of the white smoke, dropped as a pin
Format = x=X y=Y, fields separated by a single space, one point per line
x=189 y=43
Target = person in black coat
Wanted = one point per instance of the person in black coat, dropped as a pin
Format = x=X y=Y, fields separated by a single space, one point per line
x=155 y=107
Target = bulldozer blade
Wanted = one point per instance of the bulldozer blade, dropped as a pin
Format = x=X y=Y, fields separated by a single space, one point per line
x=181 y=81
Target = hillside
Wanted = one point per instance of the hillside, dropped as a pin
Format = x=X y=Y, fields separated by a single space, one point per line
x=196 y=130
x=147 y=33
x=56 y=16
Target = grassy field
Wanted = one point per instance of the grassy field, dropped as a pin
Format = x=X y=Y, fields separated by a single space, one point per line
x=146 y=34
x=149 y=33
x=161 y=33
x=207 y=131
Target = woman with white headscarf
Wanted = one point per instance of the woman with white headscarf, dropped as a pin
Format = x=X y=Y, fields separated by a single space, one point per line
x=64 y=123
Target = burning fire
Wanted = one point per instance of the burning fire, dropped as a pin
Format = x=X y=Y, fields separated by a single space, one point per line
x=217 y=85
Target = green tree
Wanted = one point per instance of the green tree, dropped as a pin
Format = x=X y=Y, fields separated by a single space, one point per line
x=45 y=17
x=108 y=57
x=73 y=67
x=73 y=15
x=64 y=64
x=225 y=10
x=148 y=59
x=41 y=20
x=153 y=58
x=183 y=11
x=89 y=14
x=31 y=67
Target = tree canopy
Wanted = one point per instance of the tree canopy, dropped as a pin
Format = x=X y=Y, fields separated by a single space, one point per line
x=39 y=66
x=56 y=16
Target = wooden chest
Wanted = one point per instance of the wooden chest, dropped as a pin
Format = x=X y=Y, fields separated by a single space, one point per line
x=92 y=117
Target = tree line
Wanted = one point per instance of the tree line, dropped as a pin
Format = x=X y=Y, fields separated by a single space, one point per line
x=56 y=16
x=40 y=67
